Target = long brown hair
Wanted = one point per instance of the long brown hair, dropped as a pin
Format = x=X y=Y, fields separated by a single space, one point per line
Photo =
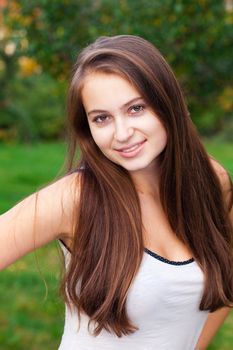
x=108 y=245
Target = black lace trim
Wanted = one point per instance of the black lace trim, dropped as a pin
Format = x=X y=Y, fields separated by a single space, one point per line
x=177 y=263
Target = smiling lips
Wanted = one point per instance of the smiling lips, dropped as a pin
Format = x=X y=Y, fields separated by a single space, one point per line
x=132 y=151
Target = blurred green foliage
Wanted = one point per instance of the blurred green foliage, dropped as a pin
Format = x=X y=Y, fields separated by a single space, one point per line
x=196 y=37
x=36 y=108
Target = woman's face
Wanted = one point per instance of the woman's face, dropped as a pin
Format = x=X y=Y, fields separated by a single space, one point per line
x=122 y=124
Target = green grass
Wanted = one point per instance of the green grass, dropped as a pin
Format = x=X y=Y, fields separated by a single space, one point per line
x=25 y=168
x=29 y=319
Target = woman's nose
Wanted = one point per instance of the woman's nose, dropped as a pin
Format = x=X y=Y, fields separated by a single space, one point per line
x=123 y=131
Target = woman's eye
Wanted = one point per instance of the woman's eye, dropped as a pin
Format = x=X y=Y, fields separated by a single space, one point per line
x=137 y=109
x=100 y=119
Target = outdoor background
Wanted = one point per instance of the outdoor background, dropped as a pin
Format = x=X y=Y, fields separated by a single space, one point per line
x=39 y=41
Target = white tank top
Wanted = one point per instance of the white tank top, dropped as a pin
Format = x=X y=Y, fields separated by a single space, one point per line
x=163 y=302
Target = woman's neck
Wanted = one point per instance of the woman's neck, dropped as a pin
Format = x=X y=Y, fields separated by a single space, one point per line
x=146 y=183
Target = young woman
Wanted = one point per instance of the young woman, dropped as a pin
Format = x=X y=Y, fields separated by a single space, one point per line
x=144 y=218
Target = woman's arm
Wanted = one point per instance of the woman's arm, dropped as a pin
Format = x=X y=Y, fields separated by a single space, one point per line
x=214 y=321
x=37 y=220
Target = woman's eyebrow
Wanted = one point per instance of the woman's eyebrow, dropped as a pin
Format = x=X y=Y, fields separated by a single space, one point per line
x=125 y=105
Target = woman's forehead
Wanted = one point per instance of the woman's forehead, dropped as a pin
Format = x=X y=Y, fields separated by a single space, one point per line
x=105 y=91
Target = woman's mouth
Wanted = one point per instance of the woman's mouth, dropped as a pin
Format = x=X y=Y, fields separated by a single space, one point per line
x=131 y=151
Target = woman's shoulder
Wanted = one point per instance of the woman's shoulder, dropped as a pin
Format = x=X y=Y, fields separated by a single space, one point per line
x=221 y=172
x=69 y=181
x=43 y=216
x=218 y=168
x=67 y=189
x=59 y=200
x=68 y=184
x=225 y=181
